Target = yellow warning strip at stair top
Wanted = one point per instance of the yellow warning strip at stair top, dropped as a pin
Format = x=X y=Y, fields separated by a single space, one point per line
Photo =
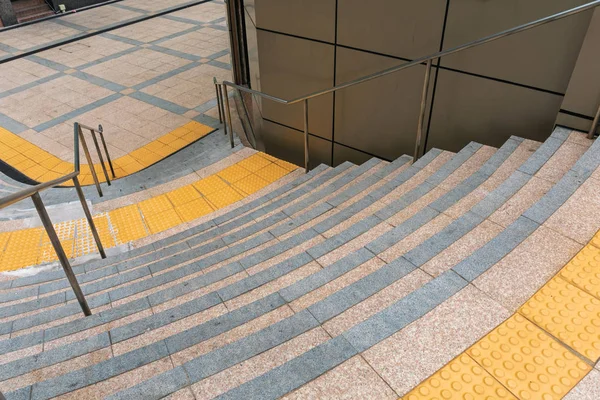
x=28 y=247
x=41 y=166
x=540 y=352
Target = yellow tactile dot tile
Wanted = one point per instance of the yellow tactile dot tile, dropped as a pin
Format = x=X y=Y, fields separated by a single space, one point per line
x=234 y=173
x=251 y=184
x=596 y=240
x=48 y=254
x=272 y=172
x=569 y=314
x=583 y=270
x=162 y=221
x=127 y=224
x=286 y=165
x=195 y=209
x=224 y=197
x=155 y=205
x=462 y=378
x=254 y=163
x=527 y=361
x=210 y=184
x=42 y=166
x=183 y=195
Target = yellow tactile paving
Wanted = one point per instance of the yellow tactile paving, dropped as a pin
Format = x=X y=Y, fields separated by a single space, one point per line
x=583 y=270
x=462 y=378
x=122 y=225
x=539 y=352
x=210 y=184
x=569 y=314
x=527 y=361
x=42 y=166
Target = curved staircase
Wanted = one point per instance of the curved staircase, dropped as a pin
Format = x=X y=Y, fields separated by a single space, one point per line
x=347 y=282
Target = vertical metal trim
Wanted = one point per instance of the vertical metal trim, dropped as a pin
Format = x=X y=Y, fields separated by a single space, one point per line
x=100 y=157
x=422 y=112
x=306 y=157
x=89 y=160
x=60 y=252
x=228 y=113
x=594 y=124
x=110 y=164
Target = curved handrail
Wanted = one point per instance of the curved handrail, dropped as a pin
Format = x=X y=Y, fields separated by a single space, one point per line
x=421 y=60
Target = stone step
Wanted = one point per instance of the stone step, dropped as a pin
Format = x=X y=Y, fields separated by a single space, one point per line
x=370 y=256
x=380 y=329
x=275 y=344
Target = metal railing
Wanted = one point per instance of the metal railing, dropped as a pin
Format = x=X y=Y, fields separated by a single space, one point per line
x=79 y=127
x=224 y=110
x=427 y=60
x=34 y=193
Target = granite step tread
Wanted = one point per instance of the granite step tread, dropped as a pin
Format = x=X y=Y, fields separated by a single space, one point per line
x=71 y=308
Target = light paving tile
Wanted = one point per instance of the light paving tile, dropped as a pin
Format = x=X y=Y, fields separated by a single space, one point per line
x=416 y=352
x=587 y=389
x=522 y=272
x=572 y=218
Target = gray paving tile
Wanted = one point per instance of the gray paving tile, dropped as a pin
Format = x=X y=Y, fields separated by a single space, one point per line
x=21 y=308
x=223 y=323
x=98 y=319
x=158 y=102
x=163 y=318
x=392 y=237
x=254 y=228
x=351 y=295
x=58 y=313
x=21 y=394
x=193 y=284
x=48 y=358
x=493 y=251
x=541 y=155
x=10 y=124
x=295 y=373
x=344 y=237
x=157 y=387
x=99 y=372
x=326 y=275
x=250 y=346
x=447 y=169
x=21 y=342
x=442 y=240
x=406 y=200
x=405 y=311
x=556 y=197
x=260 y=278
x=300 y=220
x=393 y=166
x=276 y=249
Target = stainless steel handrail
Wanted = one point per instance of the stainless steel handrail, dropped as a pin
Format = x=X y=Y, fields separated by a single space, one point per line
x=34 y=193
x=426 y=59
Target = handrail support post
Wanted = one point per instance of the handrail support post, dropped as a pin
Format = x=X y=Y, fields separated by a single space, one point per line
x=422 y=111
x=595 y=124
x=60 y=252
x=228 y=113
x=306 y=156
x=86 y=151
